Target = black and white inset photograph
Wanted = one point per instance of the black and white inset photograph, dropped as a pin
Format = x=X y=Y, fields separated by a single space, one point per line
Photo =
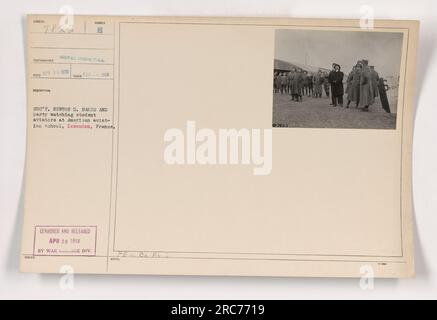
x=336 y=79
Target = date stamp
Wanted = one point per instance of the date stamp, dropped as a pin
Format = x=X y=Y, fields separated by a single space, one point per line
x=65 y=241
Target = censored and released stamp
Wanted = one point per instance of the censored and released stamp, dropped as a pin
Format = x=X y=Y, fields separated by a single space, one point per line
x=65 y=241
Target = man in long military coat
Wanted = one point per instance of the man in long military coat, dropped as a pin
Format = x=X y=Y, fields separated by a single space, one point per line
x=297 y=85
x=326 y=83
x=276 y=82
x=310 y=84
x=353 y=90
x=318 y=83
x=305 y=82
x=293 y=77
x=283 y=83
x=335 y=78
x=290 y=82
x=375 y=78
x=367 y=96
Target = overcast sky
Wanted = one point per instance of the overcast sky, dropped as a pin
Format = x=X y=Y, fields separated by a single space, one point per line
x=322 y=48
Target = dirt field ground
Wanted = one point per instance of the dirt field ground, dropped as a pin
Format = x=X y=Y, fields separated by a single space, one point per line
x=318 y=113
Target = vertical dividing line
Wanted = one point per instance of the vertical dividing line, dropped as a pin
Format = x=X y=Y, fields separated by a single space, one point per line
x=118 y=134
x=112 y=151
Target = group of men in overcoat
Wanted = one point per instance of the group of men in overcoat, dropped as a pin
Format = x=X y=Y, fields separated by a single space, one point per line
x=300 y=83
x=361 y=84
x=292 y=83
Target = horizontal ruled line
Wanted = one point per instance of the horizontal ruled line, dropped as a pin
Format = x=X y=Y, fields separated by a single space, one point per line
x=52 y=78
x=76 y=33
x=220 y=258
x=74 y=63
x=72 y=48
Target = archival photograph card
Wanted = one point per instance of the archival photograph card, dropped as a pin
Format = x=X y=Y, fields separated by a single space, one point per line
x=219 y=146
